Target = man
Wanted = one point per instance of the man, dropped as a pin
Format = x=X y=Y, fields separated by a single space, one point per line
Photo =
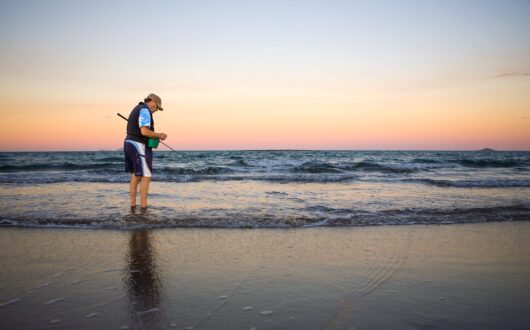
x=138 y=155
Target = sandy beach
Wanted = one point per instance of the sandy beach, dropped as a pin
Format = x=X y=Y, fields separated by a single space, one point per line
x=464 y=276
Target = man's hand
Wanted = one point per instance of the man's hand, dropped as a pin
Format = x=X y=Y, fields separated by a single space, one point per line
x=148 y=133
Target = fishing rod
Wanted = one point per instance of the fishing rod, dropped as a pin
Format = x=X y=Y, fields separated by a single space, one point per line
x=119 y=114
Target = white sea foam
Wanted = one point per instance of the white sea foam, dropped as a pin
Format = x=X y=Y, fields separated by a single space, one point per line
x=10 y=302
x=91 y=315
x=43 y=285
x=152 y=310
x=53 y=301
x=114 y=269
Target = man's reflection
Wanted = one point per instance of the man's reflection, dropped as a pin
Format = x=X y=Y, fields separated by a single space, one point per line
x=143 y=283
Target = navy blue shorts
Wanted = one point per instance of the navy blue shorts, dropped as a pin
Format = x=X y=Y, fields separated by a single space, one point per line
x=138 y=158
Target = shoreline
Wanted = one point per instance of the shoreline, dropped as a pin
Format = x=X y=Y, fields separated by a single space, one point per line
x=205 y=227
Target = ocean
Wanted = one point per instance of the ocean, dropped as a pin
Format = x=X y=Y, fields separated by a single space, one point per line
x=266 y=189
x=75 y=256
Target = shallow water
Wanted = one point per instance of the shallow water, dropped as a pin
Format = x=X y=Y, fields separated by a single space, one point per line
x=459 y=276
x=256 y=204
x=267 y=188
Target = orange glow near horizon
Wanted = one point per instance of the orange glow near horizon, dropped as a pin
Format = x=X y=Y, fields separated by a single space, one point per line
x=415 y=119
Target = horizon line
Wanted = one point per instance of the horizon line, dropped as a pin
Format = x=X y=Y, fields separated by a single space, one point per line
x=282 y=149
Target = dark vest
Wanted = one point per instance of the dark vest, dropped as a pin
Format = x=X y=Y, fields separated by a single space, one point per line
x=133 y=128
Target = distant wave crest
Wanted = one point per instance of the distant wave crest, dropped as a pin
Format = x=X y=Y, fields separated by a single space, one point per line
x=481 y=163
x=316 y=167
x=209 y=170
x=376 y=167
x=66 y=166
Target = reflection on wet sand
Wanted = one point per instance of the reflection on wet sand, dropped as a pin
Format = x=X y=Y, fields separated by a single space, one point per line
x=142 y=281
x=390 y=277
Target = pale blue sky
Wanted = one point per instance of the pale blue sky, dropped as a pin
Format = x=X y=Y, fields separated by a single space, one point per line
x=200 y=40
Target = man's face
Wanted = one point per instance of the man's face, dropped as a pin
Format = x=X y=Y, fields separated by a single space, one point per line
x=152 y=106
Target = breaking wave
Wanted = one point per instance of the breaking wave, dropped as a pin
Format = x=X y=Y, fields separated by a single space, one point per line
x=307 y=217
x=492 y=183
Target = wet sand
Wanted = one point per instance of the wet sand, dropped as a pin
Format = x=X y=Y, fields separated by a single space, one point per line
x=465 y=276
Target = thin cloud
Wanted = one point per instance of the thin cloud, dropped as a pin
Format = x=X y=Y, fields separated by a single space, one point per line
x=512 y=74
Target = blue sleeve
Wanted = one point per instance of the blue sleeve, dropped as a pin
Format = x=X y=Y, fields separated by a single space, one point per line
x=144 y=119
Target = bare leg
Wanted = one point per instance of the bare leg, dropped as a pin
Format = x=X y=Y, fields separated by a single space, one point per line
x=133 y=188
x=144 y=189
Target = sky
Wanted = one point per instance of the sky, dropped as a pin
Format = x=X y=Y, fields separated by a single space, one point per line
x=392 y=75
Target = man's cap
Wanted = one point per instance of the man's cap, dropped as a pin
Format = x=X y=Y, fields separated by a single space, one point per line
x=157 y=100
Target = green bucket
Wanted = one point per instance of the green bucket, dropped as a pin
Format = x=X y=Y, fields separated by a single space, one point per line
x=152 y=143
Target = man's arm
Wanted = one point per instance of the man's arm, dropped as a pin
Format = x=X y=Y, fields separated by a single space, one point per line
x=150 y=134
